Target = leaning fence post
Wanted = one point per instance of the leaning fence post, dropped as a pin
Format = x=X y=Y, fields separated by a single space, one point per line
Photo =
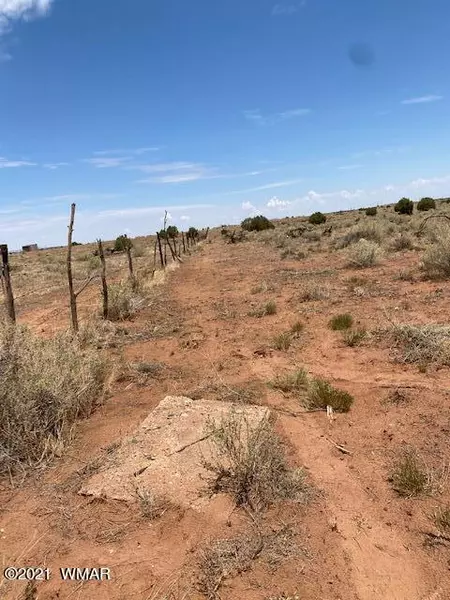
x=160 y=250
x=72 y=295
x=7 y=283
x=103 y=276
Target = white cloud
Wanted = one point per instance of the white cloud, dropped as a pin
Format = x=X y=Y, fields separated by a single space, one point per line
x=14 y=10
x=12 y=164
x=349 y=167
x=277 y=203
x=258 y=118
x=151 y=210
x=175 y=172
x=185 y=218
x=248 y=206
x=53 y=166
x=419 y=183
x=107 y=162
x=135 y=151
x=287 y=9
x=166 y=217
x=423 y=99
x=267 y=186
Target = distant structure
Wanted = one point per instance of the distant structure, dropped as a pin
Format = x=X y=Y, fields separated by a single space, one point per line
x=30 y=248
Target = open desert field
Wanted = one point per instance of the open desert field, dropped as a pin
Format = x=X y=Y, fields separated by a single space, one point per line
x=268 y=418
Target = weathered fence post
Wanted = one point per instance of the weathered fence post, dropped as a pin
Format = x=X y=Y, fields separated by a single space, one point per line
x=174 y=256
x=184 y=242
x=158 y=239
x=72 y=295
x=6 y=279
x=103 y=277
x=154 y=257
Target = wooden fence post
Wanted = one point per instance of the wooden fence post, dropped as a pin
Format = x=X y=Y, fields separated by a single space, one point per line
x=154 y=257
x=6 y=279
x=158 y=239
x=103 y=277
x=184 y=242
x=72 y=295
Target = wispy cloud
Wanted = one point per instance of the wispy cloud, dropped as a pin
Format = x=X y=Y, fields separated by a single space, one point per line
x=14 y=164
x=54 y=166
x=69 y=198
x=258 y=118
x=386 y=151
x=349 y=167
x=151 y=210
x=287 y=9
x=134 y=152
x=185 y=218
x=267 y=186
x=423 y=99
x=174 y=172
x=107 y=162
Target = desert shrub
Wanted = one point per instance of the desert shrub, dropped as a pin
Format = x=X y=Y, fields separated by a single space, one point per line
x=138 y=250
x=371 y=211
x=172 y=232
x=422 y=344
x=365 y=231
x=436 y=260
x=123 y=301
x=292 y=253
x=193 y=233
x=341 y=322
x=364 y=254
x=426 y=204
x=269 y=308
x=282 y=341
x=317 y=218
x=405 y=206
x=45 y=386
x=258 y=223
x=313 y=292
x=354 y=337
x=322 y=394
x=403 y=241
x=122 y=243
x=409 y=477
x=441 y=518
x=290 y=382
x=249 y=463
x=297 y=327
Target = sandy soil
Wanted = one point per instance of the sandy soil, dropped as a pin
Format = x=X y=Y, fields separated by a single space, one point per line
x=359 y=540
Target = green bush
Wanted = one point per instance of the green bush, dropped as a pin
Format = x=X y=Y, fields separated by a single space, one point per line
x=426 y=204
x=341 y=322
x=172 y=231
x=258 y=223
x=317 y=218
x=405 y=206
x=322 y=394
x=372 y=211
x=122 y=243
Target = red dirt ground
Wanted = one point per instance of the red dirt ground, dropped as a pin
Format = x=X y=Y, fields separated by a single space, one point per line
x=359 y=540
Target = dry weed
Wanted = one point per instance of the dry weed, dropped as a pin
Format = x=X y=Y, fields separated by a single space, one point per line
x=249 y=463
x=46 y=385
x=422 y=344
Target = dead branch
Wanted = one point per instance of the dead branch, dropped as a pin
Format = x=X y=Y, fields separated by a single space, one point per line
x=72 y=295
x=339 y=447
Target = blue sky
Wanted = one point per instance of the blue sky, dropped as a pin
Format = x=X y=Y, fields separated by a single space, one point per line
x=216 y=110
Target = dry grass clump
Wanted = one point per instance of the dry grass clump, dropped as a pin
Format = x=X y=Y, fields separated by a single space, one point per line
x=371 y=231
x=322 y=394
x=262 y=288
x=422 y=344
x=282 y=341
x=409 y=476
x=269 y=308
x=45 y=386
x=441 y=518
x=124 y=301
x=291 y=382
x=248 y=462
x=225 y=558
x=354 y=337
x=402 y=241
x=341 y=322
x=313 y=292
x=436 y=260
x=364 y=254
